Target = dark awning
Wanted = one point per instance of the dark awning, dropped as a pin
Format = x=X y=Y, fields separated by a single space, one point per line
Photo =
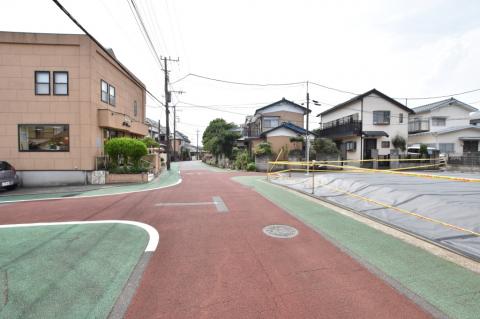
x=374 y=133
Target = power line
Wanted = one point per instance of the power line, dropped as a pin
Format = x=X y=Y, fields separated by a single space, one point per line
x=143 y=29
x=317 y=84
x=236 y=83
x=128 y=73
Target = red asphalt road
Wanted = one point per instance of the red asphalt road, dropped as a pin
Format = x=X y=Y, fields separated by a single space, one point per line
x=221 y=265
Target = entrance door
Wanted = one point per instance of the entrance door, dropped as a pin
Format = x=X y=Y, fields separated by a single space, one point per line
x=470 y=146
x=369 y=144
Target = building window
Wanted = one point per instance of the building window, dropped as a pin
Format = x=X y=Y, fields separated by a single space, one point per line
x=60 y=83
x=135 y=108
x=42 y=83
x=350 y=146
x=111 y=95
x=400 y=118
x=381 y=117
x=385 y=144
x=104 y=91
x=439 y=121
x=270 y=122
x=43 y=138
x=446 y=148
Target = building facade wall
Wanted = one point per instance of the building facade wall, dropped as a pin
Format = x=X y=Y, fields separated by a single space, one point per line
x=21 y=54
x=452 y=137
x=454 y=114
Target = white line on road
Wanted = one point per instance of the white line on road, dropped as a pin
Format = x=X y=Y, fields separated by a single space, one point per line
x=152 y=232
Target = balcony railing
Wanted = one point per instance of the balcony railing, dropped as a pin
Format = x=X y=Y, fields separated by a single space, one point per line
x=344 y=129
x=251 y=132
x=417 y=126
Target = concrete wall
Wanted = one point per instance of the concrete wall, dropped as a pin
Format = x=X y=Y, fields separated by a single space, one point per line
x=21 y=54
x=52 y=178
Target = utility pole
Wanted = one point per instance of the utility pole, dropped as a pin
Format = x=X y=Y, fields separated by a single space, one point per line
x=308 y=141
x=174 y=133
x=167 y=111
x=197 y=147
x=168 y=99
x=159 y=131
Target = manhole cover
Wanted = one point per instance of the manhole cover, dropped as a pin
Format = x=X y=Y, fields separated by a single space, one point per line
x=280 y=231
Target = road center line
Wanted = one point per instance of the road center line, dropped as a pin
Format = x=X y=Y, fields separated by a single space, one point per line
x=216 y=200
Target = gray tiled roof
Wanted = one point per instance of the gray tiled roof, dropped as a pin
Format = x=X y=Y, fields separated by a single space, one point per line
x=450 y=101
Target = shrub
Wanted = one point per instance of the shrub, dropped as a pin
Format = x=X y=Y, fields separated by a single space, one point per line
x=264 y=148
x=325 y=146
x=399 y=142
x=150 y=142
x=251 y=167
x=117 y=149
x=125 y=150
x=423 y=150
x=136 y=150
x=241 y=160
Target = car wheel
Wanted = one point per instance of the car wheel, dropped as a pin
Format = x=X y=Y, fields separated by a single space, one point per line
x=11 y=187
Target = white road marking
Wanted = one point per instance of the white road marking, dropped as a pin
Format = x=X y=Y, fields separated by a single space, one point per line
x=152 y=232
x=186 y=204
x=90 y=196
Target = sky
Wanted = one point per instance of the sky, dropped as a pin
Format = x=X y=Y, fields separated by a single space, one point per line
x=406 y=49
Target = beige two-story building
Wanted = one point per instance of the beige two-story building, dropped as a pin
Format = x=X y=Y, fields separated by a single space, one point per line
x=61 y=97
x=277 y=124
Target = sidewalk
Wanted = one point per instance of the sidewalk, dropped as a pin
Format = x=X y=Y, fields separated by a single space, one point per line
x=165 y=179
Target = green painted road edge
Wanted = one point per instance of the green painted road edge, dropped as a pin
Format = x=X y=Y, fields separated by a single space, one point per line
x=66 y=270
x=452 y=290
x=166 y=179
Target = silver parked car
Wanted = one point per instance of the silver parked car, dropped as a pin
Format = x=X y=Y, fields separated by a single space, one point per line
x=8 y=176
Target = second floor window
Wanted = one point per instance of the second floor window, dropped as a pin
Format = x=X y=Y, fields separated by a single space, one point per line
x=111 y=94
x=42 y=83
x=270 y=122
x=60 y=83
x=135 y=108
x=439 y=121
x=104 y=91
x=381 y=117
x=400 y=118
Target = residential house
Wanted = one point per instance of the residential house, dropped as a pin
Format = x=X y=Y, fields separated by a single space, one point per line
x=178 y=142
x=156 y=131
x=61 y=97
x=275 y=123
x=446 y=125
x=366 y=122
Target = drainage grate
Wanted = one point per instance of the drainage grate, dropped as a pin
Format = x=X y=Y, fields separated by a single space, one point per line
x=280 y=231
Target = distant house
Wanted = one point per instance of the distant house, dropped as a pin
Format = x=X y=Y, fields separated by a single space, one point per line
x=153 y=131
x=445 y=125
x=276 y=123
x=178 y=142
x=364 y=123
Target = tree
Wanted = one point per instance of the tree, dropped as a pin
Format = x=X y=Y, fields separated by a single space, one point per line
x=219 y=138
x=150 y=142
x=325 y=146
x=399 y=143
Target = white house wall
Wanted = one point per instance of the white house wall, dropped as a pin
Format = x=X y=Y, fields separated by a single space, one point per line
x=372 y=103
x=452 y=137
x=456 y=116
x=282 y=132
